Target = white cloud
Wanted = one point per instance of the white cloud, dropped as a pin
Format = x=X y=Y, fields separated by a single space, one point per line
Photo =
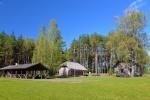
x=136 y=5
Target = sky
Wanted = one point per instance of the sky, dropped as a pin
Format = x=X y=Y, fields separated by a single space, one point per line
x=74 y=17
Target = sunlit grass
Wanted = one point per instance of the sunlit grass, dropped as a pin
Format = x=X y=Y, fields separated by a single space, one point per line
x=85 y=88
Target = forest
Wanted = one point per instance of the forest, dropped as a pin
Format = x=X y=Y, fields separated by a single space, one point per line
x=128 y=43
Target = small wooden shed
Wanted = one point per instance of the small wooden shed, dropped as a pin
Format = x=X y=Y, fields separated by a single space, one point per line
x=37 y=70
x=126 y=70
x=123 y=69
x=72 y=69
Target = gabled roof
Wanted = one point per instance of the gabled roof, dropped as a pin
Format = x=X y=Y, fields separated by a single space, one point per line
x=73 y=65
x=20 y=66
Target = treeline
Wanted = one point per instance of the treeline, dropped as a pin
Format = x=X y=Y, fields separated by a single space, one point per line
x=90 y=51
x=15 y=50
x=127 y=44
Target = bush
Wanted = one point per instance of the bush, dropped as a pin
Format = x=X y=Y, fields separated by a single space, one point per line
x=110 y=72
x=52 y=71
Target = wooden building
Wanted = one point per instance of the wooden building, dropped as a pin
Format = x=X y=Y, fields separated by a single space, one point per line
x=126 y=70
x=72 y=69
x=28 y=71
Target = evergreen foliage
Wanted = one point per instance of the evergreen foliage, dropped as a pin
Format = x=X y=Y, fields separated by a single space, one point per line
x=15 y=50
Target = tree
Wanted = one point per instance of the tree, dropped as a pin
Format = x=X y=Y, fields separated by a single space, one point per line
x=113 y=42
x=73 y=51
x=19 y=50
x=14 y=50
x=96 y=41
x=87 y=50
x=41 y=48
x=49 y=48
x=3 y=40
x=28 y=46
x=133 y=25
x=127 y=44
x=55 y=48
x=84 y=47
x=10 y=46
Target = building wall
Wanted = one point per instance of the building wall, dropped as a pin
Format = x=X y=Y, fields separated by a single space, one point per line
x=64 y=71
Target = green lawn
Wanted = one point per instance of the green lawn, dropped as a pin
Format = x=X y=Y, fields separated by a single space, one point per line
x=85 y=88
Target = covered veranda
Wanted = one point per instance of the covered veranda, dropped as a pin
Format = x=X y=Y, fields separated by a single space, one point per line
x=28 y=71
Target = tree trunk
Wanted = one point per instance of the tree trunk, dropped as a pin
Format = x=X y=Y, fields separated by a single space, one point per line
x=132 y=72
x=96 y=62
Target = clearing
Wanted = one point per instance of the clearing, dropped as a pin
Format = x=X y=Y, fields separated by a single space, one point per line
x=79 y=88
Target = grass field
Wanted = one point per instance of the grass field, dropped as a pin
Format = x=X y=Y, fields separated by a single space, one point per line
x=81 y=88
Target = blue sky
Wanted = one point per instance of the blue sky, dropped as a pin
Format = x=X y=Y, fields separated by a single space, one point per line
x=74 y=17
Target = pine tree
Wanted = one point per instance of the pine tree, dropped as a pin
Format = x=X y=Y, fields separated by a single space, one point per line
x=3 y=40
x=19 y=50
x=84 y=49
x=28 y=46
x=73 y=53
x=10 y=46
x=96 y=41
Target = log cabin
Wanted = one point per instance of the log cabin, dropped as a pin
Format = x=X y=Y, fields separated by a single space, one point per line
x=72 y=69
x=27 y=71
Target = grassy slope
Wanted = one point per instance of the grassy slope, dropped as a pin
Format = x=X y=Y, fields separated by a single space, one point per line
x=76 y=89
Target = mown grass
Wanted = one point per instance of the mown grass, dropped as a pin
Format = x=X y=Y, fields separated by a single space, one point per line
x=147 y=72
x=85 y=88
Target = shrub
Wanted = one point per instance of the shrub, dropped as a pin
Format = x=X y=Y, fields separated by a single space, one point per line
x=52 y=71
x=110 y=72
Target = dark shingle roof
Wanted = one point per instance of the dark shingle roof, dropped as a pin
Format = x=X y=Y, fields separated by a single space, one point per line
x=19 y=66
